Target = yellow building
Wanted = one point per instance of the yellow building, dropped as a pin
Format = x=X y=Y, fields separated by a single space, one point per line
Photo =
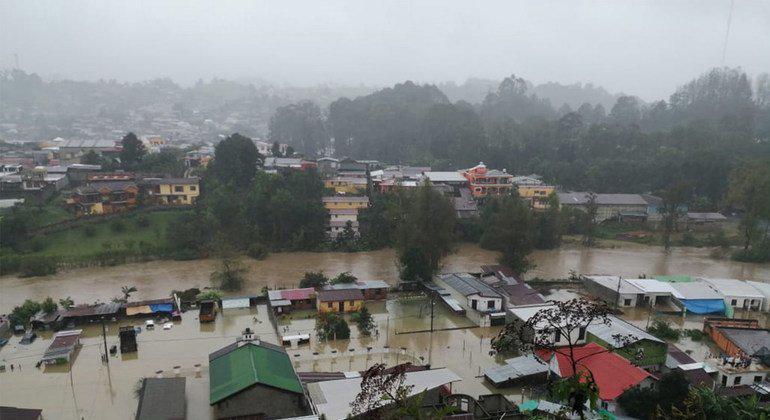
x=536 y=194
x=172 y=191
x=340 y=202
x=346 y=185
x=340 y=300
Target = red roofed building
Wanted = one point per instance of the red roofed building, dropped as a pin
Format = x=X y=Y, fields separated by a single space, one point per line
x=292 y=299
x=612 y=373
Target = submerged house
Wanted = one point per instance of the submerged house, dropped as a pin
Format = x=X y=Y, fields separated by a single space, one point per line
x=483 y=304
x=340 y=300
x=371 y=289
x=152 y=307
x=62 y=347
x=613 y=374
x=162 y=398
x=518 y=371
x=254 y=379
x=697 y=298
x=738 y=294
x=292 y=299
x=614 y=290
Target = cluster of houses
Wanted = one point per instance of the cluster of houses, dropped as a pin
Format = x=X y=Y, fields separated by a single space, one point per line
x=341 y=297
x=105 y=193
x=698 y=295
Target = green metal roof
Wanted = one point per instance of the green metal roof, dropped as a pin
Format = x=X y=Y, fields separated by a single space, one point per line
x=247 y=365
x=674 y=279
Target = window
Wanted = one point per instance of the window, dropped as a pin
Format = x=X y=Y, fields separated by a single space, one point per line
x=724 y=380
x=193 y=187
x=734 y=302
x=758 y=378
x=557 y=336
x=582 y=333
x=490 y=304
x=627 y=302
x=178 y=188
x=737 y=380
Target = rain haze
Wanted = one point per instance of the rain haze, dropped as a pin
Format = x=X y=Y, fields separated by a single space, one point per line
x=644 y=48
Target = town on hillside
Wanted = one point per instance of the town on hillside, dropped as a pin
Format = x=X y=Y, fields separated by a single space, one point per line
x=384 y=210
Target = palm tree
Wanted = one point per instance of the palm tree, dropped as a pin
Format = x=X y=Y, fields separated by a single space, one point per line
x=127 y=292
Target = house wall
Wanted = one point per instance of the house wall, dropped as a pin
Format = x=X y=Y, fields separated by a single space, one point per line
x=728 y=379
x=723 y=342
x=609 y=295
x=344 y=186
x=479 y=318
x=343 y=217
x=375 y=294
x=345 y=205
x=261 y=400
x=349 y=306
x=536 y=194
x=739 y=302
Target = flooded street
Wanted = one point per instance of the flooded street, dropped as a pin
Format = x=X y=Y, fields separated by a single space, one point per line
x=157 y=278
x=93 y=390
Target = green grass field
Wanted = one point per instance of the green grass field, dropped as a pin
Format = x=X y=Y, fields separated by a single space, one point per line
x=93 y=238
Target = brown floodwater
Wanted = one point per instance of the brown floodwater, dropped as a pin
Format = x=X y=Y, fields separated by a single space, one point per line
x=157 y=278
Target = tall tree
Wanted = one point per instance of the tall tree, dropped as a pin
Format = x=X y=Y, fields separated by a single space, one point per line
x=132 y=151
x=235 y=161
x=627 y=111
x=589 y=222
x=549 y=229
x=509 y=228
x=425 y=233
x=300 y=125
x=750 y=193
x=675 y=198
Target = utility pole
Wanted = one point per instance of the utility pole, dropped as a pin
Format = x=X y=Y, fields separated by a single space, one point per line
x=617 y=301
x=104 y=338
x=432 y=296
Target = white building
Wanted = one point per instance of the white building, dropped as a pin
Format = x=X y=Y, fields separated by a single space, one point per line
x=737 y=293
x=524 y=313
x=483 y=305
x=764 y=289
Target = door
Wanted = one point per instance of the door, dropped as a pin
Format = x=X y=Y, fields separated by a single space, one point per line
x=473 y=303
x=341 y=306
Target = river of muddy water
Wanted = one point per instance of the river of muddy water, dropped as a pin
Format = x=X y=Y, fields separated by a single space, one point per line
x=157 y=278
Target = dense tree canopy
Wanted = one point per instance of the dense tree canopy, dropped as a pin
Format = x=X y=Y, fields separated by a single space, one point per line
x=301 y=126
x=235 y=161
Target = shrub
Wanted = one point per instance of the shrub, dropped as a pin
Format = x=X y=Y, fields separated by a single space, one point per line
x=257 y=251
x=118 y=226
x=330 y=326
x=344 y=278
x=688 y=239
x=37 y=244
x=662 y=329
x=185 y=254
x=37 y=266
x=142 y=222
x=314 y=279
x=89 y=231
x=695 y=335
x=9 y=264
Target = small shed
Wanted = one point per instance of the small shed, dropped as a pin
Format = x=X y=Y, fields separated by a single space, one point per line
x=62 y=347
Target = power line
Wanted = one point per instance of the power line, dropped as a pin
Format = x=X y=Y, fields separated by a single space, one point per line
x=727 y=32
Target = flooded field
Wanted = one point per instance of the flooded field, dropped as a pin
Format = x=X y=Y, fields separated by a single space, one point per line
x=157 y=278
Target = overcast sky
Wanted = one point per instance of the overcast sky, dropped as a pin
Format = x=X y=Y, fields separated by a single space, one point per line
x=647 y=48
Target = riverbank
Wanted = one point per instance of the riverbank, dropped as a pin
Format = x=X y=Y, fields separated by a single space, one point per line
x=157 y=278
